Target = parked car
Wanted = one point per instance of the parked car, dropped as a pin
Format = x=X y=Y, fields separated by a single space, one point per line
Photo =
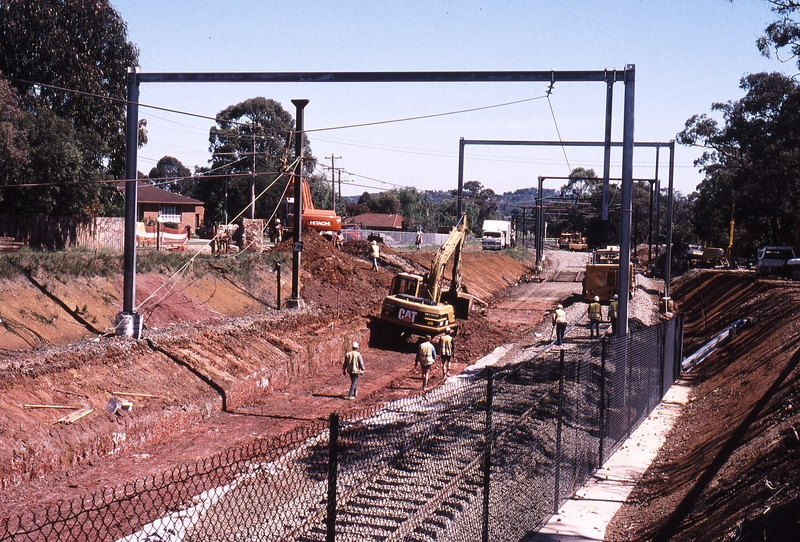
x=351 y=232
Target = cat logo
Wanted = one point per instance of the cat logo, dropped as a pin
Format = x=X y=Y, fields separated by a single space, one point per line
x=407 y=314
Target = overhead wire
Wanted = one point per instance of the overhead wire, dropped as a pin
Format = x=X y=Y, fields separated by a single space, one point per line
x=191 y=260
x=555 y=122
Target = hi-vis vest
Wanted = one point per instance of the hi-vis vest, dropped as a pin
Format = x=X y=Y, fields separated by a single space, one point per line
x=446 y=344
x=612 y=309
x=595 y=311
x=560 y=316
x=426 y=354
x=351 y=363
x=375 y=252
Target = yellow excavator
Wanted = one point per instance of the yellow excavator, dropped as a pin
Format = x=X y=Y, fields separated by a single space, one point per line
x=417 y=305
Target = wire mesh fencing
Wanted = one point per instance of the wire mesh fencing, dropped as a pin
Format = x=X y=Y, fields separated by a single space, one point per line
x=487 y=456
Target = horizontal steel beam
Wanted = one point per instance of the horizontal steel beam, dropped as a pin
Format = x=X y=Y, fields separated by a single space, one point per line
x=382 y=77
x=650 y=144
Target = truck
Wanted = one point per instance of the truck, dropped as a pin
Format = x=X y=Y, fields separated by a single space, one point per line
x=325 y=221
x=496 y=234
x=418 y=305
x=775 y=260
x=601 y=275
x=572 y=241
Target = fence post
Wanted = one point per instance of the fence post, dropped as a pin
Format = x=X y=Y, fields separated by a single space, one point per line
x=487 y=455
x=333 y=464
x=602 y=405
x=663 y=329
x=557 y=489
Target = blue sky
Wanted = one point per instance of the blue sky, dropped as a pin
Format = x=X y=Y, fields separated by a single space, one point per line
x=688 y=54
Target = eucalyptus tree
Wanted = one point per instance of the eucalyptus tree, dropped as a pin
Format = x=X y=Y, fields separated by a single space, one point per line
x=253 y=139
x=751 y=163
x=68 y=61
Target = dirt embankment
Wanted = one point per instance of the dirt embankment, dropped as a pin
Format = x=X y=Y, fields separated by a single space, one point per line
x=213 y=343
x=730 y=468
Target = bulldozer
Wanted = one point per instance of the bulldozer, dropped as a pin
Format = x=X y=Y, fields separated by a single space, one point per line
x=417 y=305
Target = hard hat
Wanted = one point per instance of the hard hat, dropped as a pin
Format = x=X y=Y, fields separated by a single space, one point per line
x=560 y=306
x=277 y=221
x=616 y=296
x=355 y=346
x=596 y=298
x=448 y=330
x=374 y=242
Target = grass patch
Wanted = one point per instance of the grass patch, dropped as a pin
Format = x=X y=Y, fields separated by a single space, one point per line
x=77 y=262
x=519 y=253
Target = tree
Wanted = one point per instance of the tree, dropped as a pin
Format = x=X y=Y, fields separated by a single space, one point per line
x=484 y=199
x=71 y=185
x=254 y=136
x=14 y=126
x=783 y=33
x=416 y=209
x=751 y=163
x=170 y=174
x=80 y=45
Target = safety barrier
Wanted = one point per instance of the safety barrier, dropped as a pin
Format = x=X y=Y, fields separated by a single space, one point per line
x=484 y=457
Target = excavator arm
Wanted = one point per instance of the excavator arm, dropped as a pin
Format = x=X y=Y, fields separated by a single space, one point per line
x=452 y=245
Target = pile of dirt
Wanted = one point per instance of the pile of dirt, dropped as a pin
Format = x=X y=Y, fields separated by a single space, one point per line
x=729 y=468
x=217 y=358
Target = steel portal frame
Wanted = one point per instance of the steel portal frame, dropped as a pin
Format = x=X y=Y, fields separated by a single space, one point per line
x=625 y=238
x=135 y=78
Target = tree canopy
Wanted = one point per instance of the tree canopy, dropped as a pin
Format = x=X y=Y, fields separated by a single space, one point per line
x=254 y=137
x=783 y=33
x=751 y=164
x=170 y=174
x=66 y=60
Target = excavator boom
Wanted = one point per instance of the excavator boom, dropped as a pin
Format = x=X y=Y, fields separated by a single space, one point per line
x=416 y=305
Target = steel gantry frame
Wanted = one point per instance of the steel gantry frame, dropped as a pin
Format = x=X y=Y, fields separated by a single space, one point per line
x=623 y=283
x=136 y=78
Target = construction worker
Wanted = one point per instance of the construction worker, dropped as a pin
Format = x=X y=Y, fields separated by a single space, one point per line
x=426 y=357
x=278 y=230
x=375 y=253
x=560 y=323
x=418 y=242
x=353 y=366
x=447 y=346
x=595 y=314
x=613 y=313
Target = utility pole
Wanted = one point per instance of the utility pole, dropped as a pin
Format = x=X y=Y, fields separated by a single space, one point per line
x=340 y=184
x=253 y=177
x=333 y=180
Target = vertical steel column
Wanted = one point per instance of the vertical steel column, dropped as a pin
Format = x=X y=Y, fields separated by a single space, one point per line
x=624 y=280
x=333 y=469
x=668 y=255
x=297 y=247
x=657 y=204
x=131 y=195
x=540 y=224
x=460 y=205
x=559 y=428
x=487 y=457
x=650 y=228
x=607 y=148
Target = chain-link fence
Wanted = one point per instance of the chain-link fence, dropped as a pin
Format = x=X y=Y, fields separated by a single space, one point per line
x=488 y=456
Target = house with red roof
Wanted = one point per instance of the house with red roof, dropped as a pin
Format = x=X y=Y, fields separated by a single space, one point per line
x=158 y=205
x=377 y=221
